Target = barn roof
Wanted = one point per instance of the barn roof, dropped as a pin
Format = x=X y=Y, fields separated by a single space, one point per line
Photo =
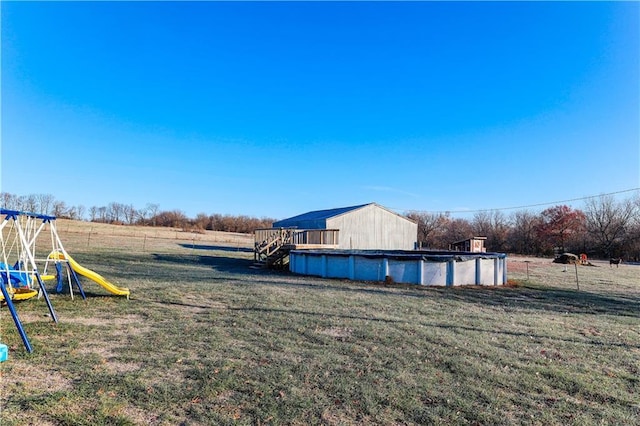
x=324 y=214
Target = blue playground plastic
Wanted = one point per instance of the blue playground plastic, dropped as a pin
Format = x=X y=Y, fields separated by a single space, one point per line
x=16 y=319
x=18 y=279
x=4 y=352
x=59 y=279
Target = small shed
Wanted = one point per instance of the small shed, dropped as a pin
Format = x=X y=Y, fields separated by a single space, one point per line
x=470 y=245
x=363 y=227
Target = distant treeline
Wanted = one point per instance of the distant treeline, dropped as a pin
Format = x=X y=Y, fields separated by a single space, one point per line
x=127 y=214
x=603 y=228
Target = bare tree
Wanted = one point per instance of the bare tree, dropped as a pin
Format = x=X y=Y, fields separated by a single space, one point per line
x=80 y=211
x=522 y=236
x=201 y=221
x=608 y=222
x=454 y=230
x=494 y=225
x=30 y=203
x=632 y=248
x=130 y=214
x=430 y=227
x=71 y=213
x=101 y=214
x=174 y=218
x=45 y=203
x=152 y=211
x=142 y=216
x=115 y=212
x=9 y=201
x=60 y=209
x=242 y=224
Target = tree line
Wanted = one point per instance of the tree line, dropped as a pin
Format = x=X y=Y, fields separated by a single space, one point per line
x=604 y=227
x=127 y=214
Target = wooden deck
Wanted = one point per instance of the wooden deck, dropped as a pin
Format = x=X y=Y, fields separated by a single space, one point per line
x=272 y=246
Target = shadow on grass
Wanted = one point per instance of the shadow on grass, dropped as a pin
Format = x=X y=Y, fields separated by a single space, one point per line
x=508 y=298
x=217 y=248
x=219 y=263
x=89 y=289
x=549 y=299
x=98 y=295
x=238 y=271
x=434 y=325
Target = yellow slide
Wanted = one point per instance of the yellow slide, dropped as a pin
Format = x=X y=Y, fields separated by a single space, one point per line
x=93 y=276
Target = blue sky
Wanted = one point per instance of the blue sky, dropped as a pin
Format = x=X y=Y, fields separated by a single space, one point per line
x=272 y=109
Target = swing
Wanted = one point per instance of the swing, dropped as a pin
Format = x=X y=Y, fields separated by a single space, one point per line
x=17 y=240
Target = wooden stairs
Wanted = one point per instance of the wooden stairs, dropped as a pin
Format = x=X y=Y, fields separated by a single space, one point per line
x=273 y=245
x=272 y=251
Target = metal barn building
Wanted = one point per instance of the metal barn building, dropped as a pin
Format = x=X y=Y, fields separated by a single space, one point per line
x=364 y=227
x=369 y=242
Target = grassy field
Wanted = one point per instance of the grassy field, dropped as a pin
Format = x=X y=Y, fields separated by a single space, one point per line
x=205 y=339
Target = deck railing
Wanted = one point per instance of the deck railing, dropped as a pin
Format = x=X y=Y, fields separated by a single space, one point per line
x=269 y=241
x=323 y=237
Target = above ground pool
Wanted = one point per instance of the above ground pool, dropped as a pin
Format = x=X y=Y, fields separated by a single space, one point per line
x=437 y=268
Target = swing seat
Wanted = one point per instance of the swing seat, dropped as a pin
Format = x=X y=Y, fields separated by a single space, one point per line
x=46 y=277
x=22 y=293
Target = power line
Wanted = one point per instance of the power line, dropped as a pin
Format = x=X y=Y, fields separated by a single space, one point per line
x=520 y=207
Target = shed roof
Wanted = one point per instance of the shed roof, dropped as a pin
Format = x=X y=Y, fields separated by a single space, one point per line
x=330 y=213
x=469 y=239
x=324 y=214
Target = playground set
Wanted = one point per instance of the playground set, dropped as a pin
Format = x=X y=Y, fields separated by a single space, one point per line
x=23 y=274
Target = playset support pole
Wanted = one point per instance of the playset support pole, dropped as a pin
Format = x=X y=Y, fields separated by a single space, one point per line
x=32 y=261
x=46 y=297
x=16 y=320
x=74 y=276
x=76 y=280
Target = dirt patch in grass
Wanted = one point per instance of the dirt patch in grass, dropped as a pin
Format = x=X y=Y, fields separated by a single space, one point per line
x=121 y=367
x=26 y=317
x=338 y=332
x=129 y=324
x=140 y=416
x=108 y=358
x=28 y=376
x=96 y=348
x=88 y=321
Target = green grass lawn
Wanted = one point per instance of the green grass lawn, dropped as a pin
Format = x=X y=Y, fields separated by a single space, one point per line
x=204 y=339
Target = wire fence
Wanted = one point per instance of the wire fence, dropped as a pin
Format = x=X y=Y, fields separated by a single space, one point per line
x=78 y=236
